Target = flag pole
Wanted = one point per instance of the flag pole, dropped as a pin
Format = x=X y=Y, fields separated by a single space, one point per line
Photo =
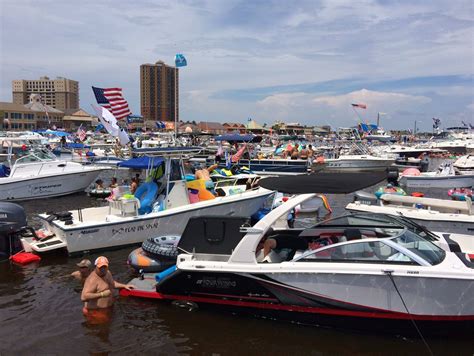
x=176 y=104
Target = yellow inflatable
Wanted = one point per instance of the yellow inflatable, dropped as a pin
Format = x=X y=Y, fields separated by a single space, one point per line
x=200 y=185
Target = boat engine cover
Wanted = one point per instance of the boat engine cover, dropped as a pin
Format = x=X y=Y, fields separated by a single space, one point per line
x=12 y=217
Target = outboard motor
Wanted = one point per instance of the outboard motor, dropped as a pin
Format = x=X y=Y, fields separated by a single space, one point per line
x=12 y=224
x=365 y=197
x=424 y=164
x=392 y=176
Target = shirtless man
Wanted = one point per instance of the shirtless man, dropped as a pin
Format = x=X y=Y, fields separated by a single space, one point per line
x=83 y=272
x=205 y=173
x=97 y=293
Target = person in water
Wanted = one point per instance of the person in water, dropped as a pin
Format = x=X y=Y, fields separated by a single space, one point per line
x=97 y=292
x=99 y=184
x=83 y=272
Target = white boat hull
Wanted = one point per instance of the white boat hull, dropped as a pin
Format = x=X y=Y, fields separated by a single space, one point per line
x=122 y=231
x=46 y=186
x=461 y=181
x=356 y=164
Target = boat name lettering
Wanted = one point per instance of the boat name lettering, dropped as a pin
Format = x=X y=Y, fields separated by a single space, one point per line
x=89 y=231
x=216 y=282
x=413 y=272
x=135 y=228
x=46 y=188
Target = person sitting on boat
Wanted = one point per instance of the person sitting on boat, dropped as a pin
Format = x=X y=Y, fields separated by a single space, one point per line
x=83 y=272
x=293 y=243
x=113 y=183
x=295 y=151
x=99 y=184
x=97 y=292
x=205 y=173
x=310 y=151
x=133 y=185
x=303 y=153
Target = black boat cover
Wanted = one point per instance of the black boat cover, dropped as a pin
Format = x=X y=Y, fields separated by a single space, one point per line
x=323 y=182
x=212 y=234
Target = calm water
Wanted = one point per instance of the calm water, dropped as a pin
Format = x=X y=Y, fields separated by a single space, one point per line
x=40 y=313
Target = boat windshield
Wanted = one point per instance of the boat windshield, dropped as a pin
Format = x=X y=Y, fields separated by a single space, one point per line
x=420 y=246
x=36 y=156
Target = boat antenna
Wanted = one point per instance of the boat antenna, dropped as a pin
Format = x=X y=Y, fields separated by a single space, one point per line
x=389 y=274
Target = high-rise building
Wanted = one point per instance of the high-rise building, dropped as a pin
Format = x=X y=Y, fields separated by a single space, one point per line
x=159 y=92
x=60 y=93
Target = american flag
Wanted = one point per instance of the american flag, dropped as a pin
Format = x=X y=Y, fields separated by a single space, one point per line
x=112 y=100
x=81 y=133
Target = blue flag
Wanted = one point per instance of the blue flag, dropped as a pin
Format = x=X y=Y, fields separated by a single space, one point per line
x=180 y=60
x=99 y=127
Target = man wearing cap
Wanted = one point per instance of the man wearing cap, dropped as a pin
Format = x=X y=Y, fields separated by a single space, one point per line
x=83 y=272
x=97 y=292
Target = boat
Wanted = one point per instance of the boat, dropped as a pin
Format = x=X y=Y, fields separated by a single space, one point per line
x=436 y=214
x=39 y=174
x=464 y=165
x=161 y=206
x=354 y=274
x=444 y=177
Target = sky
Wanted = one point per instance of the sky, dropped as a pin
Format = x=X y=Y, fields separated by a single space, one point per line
x=294 y=61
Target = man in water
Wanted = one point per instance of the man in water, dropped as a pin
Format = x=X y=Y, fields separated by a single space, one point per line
x=97 y=292
x=83 y=272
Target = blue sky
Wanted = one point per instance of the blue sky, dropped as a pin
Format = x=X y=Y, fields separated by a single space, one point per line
x=296 y=61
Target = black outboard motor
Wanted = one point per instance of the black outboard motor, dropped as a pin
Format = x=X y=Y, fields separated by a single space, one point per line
x=12 y=223
x=424 y=164
x=392 y=176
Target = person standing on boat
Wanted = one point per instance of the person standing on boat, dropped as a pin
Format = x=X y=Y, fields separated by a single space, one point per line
x=97 y=292
x=133 y=185
x=83 y=272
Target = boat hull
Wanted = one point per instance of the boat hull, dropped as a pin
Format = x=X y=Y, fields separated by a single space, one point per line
x=461 y=181
x=47 y=186
x=135 y=230
x=325 y=299
x=354 y=165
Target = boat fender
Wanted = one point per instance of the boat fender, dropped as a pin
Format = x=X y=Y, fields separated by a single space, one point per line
x=160 y=276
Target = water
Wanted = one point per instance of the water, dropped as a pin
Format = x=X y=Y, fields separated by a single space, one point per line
x=40 y=313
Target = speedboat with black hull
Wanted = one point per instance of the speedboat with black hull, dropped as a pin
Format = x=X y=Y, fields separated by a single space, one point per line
x=161 y=206
x=352 y=276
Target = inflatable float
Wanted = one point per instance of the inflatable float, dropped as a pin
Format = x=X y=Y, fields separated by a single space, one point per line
x=389 y=189
x=100 y=193
x=460 y=193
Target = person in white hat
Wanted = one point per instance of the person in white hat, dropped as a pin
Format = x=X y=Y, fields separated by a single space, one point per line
x=83 y=272
x=97 y=292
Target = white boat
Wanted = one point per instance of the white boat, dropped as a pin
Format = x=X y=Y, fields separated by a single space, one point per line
x=464 y=165
x=445 y=177
x=129 y=221
x=355 y=163
x=436 y=214
x=352 y=275
x=39 y=174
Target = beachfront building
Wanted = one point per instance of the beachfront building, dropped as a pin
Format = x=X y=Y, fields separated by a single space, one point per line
x=32 y=116
x=159 y=92
x=73 y=119
x=60 y=93
x=234 y=127
x=215 y=128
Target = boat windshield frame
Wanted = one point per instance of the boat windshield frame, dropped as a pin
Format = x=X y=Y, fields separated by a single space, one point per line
x=394 y=242
x=35 y=156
